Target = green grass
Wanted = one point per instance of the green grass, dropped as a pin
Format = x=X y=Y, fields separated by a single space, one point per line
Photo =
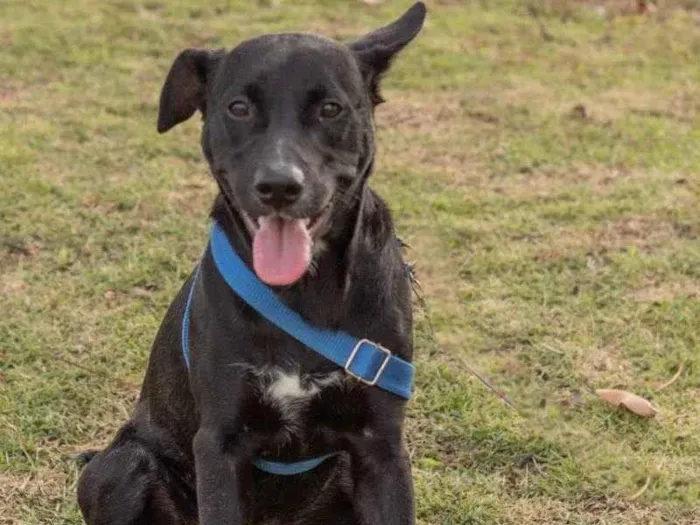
x=557 y=247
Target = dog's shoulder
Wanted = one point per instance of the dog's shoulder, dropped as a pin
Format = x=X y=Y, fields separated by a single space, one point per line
x=377 y=232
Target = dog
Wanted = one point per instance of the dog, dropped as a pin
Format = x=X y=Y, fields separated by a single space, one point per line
x=288 y=133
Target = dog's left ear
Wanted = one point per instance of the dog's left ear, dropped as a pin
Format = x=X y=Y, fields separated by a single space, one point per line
x=376 y=50
x=185 y=88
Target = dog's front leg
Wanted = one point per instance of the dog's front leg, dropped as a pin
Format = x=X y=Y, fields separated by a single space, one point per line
x=383 y=485
x=217 y=465
x=221 y=447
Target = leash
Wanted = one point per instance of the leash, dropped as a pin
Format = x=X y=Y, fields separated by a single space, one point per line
x=366 y=361
x=418 y=292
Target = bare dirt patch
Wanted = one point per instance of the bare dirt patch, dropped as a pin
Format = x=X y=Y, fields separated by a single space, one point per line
x=663 y=292
x=641 y=232
x=11 y=285
x=7 y=96
x=540 y=183
x=414 y=112
x=618 y=102
x=434 y=132
x=604 y=365
x=14 y=250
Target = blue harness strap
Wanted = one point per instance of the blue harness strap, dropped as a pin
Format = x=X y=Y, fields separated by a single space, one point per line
x=185 y=336
x=368 y=362
x=290 y=469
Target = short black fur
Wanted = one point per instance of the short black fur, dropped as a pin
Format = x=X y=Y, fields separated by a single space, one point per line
x=185 y=455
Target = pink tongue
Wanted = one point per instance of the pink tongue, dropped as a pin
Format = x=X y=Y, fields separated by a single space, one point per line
x=281 y=250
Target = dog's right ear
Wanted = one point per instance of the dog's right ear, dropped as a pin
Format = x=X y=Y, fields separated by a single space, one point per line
x=184 y=91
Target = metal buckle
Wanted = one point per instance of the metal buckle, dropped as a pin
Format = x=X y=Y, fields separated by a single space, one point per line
x=348 y=364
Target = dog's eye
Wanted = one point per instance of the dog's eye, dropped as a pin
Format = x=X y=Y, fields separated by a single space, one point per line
x=330 y=110
x=239 y=110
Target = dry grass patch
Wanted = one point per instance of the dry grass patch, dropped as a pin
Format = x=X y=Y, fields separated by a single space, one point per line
x=602 y=511
x=642 y=233
x=12 y=284
x=542 y=183
x=436 y=135
x=420 y=112
x=681 y=105
x=605 y=366
x=23 y=493
x=665 y=292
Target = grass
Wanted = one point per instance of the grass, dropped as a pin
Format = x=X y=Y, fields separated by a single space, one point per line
x=544 y=171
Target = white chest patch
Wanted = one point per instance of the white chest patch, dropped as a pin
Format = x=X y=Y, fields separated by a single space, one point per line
x=286 y=387
x=290 y=393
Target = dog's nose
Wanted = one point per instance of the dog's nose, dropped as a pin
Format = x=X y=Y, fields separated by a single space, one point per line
x=279 y=185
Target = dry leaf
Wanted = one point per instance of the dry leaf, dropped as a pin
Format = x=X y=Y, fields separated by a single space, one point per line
x=634 y=403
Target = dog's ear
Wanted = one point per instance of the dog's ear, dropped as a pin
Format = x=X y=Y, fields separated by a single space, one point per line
x=184 y=91
x=376 y=50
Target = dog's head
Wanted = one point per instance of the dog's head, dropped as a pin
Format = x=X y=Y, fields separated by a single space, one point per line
x=288 y=131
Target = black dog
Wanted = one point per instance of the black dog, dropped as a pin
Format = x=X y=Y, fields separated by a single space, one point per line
x=288 y=134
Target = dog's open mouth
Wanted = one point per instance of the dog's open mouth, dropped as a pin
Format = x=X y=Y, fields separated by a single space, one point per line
x=282 y=246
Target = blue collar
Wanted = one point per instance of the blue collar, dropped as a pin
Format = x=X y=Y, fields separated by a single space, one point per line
x=362 y=359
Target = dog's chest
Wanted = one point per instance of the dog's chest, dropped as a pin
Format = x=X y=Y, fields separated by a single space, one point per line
x=291 y=393
x=292 y=390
